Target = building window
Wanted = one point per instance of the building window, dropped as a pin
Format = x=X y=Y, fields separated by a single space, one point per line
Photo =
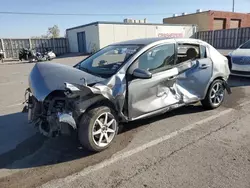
x=235 y=23
x=219 y=23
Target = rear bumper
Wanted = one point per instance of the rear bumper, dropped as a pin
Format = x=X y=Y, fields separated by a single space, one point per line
x=227 y=87
x=243 y=67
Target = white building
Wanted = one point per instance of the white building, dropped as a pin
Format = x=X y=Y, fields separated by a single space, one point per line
x=91 y=37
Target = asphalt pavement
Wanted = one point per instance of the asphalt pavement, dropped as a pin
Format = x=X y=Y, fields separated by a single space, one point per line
x=188 y=147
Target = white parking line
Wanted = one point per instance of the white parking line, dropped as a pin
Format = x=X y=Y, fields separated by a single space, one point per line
x=13 y=82
x=118 y=157
x=14 y=105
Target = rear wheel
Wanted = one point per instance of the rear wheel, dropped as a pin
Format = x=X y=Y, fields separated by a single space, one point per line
x=98 y=128
x=215 y=95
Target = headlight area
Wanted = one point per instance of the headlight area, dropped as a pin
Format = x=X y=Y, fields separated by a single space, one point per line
x=54 y=116
x=59 y=117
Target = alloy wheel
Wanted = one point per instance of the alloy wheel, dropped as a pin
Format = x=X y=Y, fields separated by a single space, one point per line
x=104 y=129
x=217 y=94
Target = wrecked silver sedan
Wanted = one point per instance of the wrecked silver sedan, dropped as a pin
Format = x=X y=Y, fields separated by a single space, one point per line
x=123 y=82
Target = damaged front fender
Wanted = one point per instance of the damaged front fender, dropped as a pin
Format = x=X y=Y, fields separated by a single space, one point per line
x=85 y=96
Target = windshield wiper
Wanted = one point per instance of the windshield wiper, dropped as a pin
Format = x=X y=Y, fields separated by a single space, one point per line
x=90 y=72
x=84 y=69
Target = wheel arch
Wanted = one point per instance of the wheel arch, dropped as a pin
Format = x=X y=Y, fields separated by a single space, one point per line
x=101 y=101
x=218 y=77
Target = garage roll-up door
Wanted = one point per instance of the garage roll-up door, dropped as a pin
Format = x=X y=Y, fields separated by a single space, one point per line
x=219 y=24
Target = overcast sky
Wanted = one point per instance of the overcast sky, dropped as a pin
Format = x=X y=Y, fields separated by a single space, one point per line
x=33 y=25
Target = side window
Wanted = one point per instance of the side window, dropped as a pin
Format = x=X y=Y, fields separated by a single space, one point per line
x=158 y=59
x=203 y=52
x=187 y=52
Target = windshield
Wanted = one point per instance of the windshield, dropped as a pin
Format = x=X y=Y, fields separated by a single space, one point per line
x=108 y=60
x=246 y=45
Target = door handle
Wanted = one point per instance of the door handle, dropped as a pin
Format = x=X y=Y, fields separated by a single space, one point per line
x=171 y=77
x=204 y=66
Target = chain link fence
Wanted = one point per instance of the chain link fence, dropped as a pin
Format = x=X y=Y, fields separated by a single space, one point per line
x=11 y=47
x=226 y=38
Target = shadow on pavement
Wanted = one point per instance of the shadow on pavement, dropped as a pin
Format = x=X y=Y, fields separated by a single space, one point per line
x=237 y=81
x=21 y=147
x=38 y=151
x=181 y=111
x=16 y=62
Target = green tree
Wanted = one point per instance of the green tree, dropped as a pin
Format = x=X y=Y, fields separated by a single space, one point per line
x=53 y=32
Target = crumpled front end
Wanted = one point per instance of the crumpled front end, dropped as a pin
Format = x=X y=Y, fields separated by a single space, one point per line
x=53 y=116
x=60 y=112
x=59 y=95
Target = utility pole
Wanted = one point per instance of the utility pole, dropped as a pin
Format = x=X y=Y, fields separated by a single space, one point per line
x=233 y=5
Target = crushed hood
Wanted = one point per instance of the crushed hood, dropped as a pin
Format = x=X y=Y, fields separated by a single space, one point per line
x=46 y=77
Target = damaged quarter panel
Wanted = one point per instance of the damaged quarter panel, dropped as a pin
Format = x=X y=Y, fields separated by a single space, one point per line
x=220 y=64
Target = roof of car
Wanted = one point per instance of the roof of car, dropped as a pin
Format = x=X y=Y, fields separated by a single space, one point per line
x=146 y=41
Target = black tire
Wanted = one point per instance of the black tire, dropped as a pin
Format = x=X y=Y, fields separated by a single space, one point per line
x=207 y=102
x=85 y=129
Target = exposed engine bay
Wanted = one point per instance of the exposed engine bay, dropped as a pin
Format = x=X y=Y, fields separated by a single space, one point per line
x=53 y=116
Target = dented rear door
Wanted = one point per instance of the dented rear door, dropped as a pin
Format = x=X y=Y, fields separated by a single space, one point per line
x=196 y=79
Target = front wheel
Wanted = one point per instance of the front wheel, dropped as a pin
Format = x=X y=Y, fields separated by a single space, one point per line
x=215 y=95
x=98 y=128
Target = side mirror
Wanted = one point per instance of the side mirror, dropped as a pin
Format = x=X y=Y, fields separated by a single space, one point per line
x=141 y=73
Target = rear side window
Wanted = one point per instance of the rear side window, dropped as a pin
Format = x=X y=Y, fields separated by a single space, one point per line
x=203 y=52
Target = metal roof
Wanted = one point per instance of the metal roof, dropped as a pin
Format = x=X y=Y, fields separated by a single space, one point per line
x=146 y=41
x=123 y=23
x=141 y=41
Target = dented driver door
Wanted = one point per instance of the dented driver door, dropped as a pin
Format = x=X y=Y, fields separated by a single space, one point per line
x=148 y=96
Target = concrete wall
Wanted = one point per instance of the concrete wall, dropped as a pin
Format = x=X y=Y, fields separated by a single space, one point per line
x=92 y=38
x=201 y=19
x=111 y=33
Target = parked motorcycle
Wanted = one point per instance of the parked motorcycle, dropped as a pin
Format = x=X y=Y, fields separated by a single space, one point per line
x=32 y=55
x=46 y=56
x=40 y=57
x=1 y=55
x=27 y=54
x=50 y=54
